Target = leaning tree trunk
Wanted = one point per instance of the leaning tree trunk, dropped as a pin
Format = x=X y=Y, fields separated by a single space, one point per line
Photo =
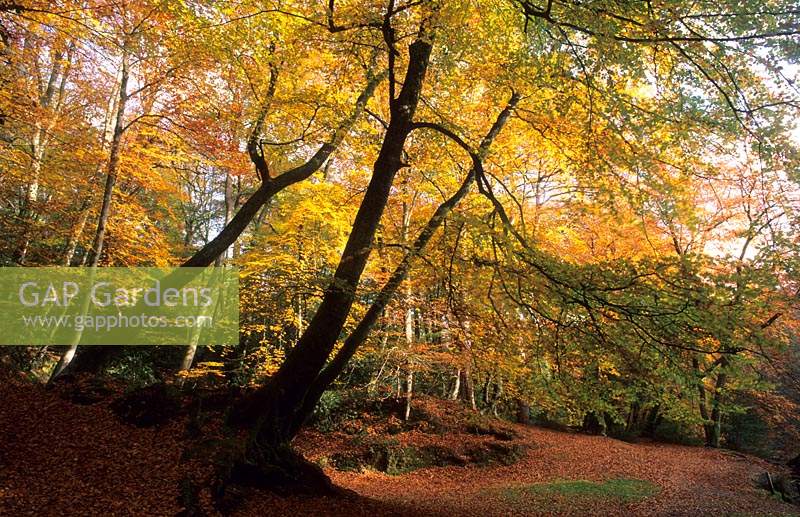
x=113 y=167
x=68 y=363
x=273 y=410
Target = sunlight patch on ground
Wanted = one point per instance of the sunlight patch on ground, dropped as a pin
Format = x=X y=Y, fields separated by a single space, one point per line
x=576 y=493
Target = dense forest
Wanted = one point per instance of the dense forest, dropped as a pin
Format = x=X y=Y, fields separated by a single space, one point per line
x=492 y=216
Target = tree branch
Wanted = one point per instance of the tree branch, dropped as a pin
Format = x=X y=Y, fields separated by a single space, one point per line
x=272 y=185
x=362 y=330
x=254 y=149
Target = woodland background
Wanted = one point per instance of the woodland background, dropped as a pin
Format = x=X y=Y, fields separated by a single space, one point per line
x=588 y=216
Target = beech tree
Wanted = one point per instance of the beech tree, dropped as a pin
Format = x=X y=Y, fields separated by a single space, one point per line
x=276 y=410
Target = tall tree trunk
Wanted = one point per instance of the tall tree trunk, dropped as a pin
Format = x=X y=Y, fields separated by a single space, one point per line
x=467 y=386
x=712 y=417
x=496 y=396
x=274 y=409
x=523 y=412
x=75 y=235
x=456 y=386
x=229 y=209
x=715 y=424
x=230 y=201
x=408 y=317
x=39 y=143
x=113 y=167
x=92 y=361
x=409 y=385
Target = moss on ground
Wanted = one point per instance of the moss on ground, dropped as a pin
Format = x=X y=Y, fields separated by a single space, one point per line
x=577 y=494
x=389 y=456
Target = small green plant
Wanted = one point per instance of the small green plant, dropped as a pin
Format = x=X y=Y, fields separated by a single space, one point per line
x=328 y=414
x=135 y=370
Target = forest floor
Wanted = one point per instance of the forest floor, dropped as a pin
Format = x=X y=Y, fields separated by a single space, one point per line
x=62 y=458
